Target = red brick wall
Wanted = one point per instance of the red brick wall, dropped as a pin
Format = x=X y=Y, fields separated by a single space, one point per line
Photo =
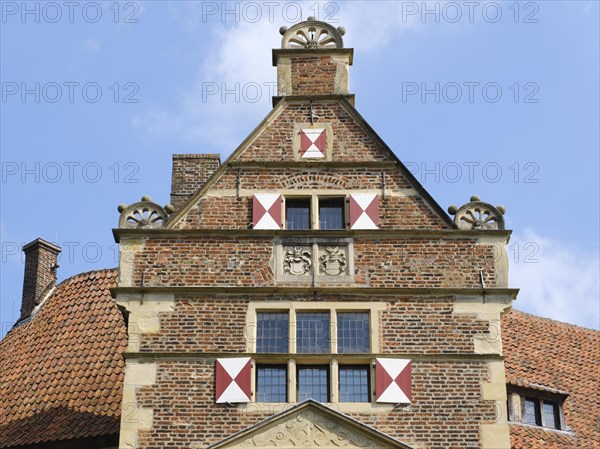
x=447 y=410
x=313 y=75
x=190 y=172
x=447 y=396
x=350 y=141
x=223 y=261
x=236 y=213
x=39 y=276
x=417 y=325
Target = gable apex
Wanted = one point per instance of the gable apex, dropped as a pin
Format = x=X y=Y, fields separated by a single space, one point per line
x=378 y=154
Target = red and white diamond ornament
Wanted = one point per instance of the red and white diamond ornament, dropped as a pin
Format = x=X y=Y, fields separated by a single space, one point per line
x=313 y=143
x=393 y=381
x=233 y=380
x=364 y=211
x=266 y=211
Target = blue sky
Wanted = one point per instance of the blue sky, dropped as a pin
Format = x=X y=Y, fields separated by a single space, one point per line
x=498 y=99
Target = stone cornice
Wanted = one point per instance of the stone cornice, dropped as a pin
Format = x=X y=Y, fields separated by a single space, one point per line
x=366 y=234
x=314 y=98
x=296 y=52
x=488 y=293
x=178 y=355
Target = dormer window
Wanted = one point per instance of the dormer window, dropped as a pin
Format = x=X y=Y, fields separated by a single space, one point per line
x=535 y=407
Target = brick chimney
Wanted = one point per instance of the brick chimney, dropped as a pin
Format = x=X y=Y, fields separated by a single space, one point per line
x=40 y=273
x=190 y=172
x=312 y=60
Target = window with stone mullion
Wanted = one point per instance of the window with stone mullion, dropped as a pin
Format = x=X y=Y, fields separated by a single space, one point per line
x=272 y=332
x=312 y=333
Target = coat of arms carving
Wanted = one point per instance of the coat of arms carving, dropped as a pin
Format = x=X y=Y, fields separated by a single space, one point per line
x=297 y=261
x=333 y=262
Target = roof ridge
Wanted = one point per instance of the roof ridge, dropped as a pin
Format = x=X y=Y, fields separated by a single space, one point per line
x=86 y=273
x=555 y=321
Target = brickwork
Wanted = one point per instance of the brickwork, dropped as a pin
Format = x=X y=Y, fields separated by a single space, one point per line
x=310 y=178
x=190 y=172
x=212 y=261
x=399 y=263
x=40 y=276
x=218 y=324
x=189 y=293
x=188 y=414
x=458 y=376
x=232 y=212
x=313 y=75
x=351 y=142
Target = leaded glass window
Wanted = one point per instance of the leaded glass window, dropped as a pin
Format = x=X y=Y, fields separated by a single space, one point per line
x=272 y=330
x=331 y=213
x=353 y=332
x=531 y=413
x=354 y=383
x=297 y=213
x=313 y=383
x=271 y=383
x=551 y=415
x=312 y=333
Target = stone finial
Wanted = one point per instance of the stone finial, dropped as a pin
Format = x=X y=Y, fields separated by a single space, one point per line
x=143 y=214
x=312 y=34
x=478 y=215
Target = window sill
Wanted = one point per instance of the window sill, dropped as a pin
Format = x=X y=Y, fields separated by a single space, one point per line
x=550 y=429
x=342 y=407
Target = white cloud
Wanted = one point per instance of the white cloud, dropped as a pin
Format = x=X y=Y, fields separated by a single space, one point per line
x=374 y=27
x=240 y=60
x=557 y=280
x=233 y=86
x=92 y=45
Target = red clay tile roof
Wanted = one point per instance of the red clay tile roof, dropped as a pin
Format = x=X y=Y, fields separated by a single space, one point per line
x=560 y=356
x=62 y=372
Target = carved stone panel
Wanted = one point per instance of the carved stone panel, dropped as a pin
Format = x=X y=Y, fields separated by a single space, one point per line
x=297 y=260
x=333 y=260
x=309 y=426
x=314 y=261
x=310 y=429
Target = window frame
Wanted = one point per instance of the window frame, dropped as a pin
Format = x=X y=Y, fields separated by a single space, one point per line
x=325 y=366
x=344 y=201
x=314 y=209
x=332 y=358
x=288 y=330
x=311 y=214
x=271 y=365
x=369 y=382
x=517 y=397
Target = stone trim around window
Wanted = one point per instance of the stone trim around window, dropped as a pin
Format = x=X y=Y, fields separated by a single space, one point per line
x=292 y=307
x=292 y=359
x=314 y=261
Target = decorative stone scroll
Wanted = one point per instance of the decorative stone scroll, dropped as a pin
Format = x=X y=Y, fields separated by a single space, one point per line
x=312 y=34
x=144 y=214
x=478 y=215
